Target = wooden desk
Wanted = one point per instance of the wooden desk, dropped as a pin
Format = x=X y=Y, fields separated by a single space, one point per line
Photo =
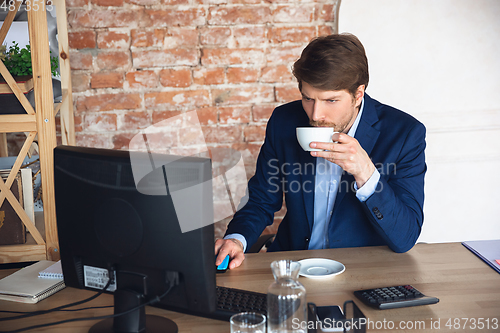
x=465 y=285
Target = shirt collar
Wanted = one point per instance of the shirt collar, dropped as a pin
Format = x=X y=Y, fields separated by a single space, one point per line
x=354 y=127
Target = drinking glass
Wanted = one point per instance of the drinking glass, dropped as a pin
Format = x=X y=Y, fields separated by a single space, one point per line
x=248 y=322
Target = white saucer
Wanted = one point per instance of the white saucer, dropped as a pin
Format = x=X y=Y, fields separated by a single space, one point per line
x=320 y=268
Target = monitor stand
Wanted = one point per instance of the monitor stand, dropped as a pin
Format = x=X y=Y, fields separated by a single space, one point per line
x=136 y=321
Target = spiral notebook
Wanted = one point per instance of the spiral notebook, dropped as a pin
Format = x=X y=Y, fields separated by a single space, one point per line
x=54 y=271
x=25 y=286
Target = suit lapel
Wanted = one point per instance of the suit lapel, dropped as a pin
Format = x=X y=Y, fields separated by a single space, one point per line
x=366 y=135
x=308 y=182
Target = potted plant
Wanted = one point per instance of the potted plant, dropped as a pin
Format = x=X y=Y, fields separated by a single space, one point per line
x=18 y=63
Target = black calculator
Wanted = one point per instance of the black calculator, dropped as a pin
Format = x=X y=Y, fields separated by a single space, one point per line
x=394 y=297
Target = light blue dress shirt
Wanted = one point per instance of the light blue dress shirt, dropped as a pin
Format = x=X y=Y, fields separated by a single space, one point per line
x=327 y=182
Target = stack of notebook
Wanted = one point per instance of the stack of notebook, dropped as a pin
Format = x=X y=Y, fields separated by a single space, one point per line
x=33 y=283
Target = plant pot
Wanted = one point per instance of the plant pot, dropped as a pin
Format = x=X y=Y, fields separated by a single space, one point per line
x=9 y=104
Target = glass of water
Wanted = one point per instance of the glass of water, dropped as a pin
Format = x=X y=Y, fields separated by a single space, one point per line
x=248 y=322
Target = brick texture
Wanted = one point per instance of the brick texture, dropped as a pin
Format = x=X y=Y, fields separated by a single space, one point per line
x=136 y=63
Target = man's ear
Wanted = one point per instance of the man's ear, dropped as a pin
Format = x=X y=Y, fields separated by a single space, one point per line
x=360 y=92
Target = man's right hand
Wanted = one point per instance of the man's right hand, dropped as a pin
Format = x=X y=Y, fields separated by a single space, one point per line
x=231 y=247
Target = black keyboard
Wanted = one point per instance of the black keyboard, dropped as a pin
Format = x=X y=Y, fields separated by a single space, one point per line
x=394 y=297
x=231 y=301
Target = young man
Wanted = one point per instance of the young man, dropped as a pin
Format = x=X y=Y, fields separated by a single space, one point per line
x=366 y=188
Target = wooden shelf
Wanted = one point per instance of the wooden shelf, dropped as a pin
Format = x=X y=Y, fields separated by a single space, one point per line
x=42 y=240
x=25 y=83
x=11 y=123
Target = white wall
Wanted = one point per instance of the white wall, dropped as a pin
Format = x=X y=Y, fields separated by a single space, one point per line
x=439 y=61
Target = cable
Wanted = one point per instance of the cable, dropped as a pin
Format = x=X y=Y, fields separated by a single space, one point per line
x=154 y=300
x=41 y=312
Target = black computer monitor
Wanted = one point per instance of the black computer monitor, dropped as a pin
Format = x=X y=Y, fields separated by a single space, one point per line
x=105 y=224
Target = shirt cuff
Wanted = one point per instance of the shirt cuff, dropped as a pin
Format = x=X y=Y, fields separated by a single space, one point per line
x=238 y=237
x=368 y=188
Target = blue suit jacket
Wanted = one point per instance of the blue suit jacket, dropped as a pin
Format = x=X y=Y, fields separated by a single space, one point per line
x=394 y=140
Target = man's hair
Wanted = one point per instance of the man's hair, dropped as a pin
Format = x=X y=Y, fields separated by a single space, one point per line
x=334 y=62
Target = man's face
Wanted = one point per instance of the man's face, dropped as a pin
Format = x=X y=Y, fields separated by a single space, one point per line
x=331 y=108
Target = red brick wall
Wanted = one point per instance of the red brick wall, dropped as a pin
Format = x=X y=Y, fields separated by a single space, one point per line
x=230 y=59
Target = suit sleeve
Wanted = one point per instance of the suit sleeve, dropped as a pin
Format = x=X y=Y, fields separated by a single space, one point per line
x=395 y=209
x=264 y=190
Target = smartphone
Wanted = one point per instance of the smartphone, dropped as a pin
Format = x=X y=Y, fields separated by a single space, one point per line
x=223 y=266
x=329 y=318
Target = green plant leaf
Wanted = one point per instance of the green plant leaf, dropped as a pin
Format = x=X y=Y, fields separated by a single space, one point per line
x=18 y=61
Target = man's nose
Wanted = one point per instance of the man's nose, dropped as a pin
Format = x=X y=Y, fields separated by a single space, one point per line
x=318 y=111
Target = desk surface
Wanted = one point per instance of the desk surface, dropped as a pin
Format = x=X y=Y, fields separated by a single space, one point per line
x=465 y=285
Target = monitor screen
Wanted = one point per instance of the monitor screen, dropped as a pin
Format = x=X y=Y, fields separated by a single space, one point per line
x=107 y=226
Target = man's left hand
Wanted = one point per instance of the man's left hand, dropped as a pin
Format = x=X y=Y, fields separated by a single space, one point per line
x=346 y=152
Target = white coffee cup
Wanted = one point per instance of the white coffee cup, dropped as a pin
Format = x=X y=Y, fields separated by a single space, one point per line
x=306 y=135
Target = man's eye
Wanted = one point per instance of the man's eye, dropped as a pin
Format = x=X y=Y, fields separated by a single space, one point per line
x=306 y=98
x=331 y=100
